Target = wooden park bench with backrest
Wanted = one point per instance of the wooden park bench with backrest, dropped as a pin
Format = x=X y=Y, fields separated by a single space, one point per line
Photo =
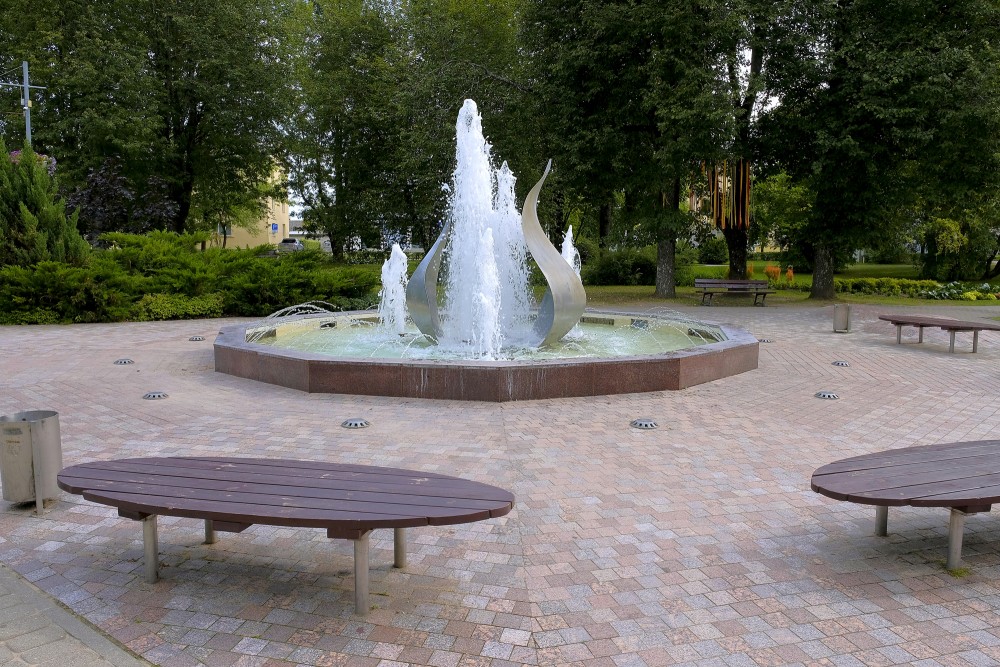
x=712 y=286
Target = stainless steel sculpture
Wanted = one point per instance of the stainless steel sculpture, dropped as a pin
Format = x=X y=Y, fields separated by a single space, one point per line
x=564 y=299
x=421 y=291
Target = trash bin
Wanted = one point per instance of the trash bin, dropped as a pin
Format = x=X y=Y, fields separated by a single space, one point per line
x=841 y=318
x=30 y=456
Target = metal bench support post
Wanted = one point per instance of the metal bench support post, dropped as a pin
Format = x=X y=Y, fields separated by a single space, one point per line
x=975 y=341
x=882 y=521
x=951 y=346
x=920 y=334
x=899 y=334
x=150 y=548
x=209 y=532
x=361 y=574
x=956 y=528
x=399 y=547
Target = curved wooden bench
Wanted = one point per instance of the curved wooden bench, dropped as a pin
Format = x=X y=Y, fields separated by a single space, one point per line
x=232 y=494
x=949 y=325
x=963 y=476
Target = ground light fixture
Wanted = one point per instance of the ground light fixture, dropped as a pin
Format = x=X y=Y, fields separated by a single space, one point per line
x=828 y=395
x=123 y=362
x=154 y=395
x=644 y=423
x=196 y=338
x=356 y=422
x=842 y=364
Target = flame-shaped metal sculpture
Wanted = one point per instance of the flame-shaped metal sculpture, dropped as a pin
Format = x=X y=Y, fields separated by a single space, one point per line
x=562 y=305
x=565 y=297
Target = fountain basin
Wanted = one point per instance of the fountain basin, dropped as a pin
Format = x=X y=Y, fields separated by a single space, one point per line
x=479 y=380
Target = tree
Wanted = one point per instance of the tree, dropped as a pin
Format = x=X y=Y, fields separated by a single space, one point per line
x=882 y=93
x=632 y=99
x=345 y=133
x=191 y=92
x=34 y=226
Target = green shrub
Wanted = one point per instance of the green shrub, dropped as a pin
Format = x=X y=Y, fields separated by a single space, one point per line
x=588 y=248
x=713 y=251
x=34 y=226
x=176 y=307
x=627 y=266
x=164 y=276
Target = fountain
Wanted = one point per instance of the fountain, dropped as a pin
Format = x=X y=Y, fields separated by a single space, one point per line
x=483 y=340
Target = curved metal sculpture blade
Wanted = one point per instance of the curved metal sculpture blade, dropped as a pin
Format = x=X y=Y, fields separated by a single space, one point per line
x=565 y=298
x=421 y=291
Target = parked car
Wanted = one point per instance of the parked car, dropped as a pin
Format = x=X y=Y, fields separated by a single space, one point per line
x=290 y=245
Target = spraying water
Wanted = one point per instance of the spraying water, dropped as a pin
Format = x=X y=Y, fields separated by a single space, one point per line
x=392 y=298
x=486 y=292
x=570 y=253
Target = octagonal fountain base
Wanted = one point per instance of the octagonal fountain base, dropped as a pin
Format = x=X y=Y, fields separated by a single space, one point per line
x=494 y=381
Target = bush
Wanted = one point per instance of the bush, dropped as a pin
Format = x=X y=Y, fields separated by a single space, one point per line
x=960 y=291
x=163 y=276
x=34 y=226
x=588 y=248
x=713 y=251
x=627 y=266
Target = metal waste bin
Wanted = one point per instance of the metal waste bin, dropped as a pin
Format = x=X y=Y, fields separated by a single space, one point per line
x=841 y=318
x=30 y=456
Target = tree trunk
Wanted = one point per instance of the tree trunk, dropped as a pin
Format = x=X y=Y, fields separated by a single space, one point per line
x=822 y=285
x=604 y=225
x=666 y=287
x=736 y=245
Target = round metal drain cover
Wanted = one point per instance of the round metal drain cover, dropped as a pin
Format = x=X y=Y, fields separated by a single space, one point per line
x=123 y=362
x=643 y=423
x=196 y=338
x=154 y=395
x=827 y=395
x=764 y=340
x=842 y=364
x=356 y=423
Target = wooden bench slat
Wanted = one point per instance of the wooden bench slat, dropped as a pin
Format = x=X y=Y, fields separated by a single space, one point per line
x=967 y=489
x=246 y=508
x=279 y=495
x=904 y=477
x=347 y=481
x=895 y=457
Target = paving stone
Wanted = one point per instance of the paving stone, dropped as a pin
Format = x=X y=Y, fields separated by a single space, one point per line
x=695 y=543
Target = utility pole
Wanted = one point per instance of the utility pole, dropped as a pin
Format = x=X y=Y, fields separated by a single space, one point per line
x=25 y=97
x=27 y=103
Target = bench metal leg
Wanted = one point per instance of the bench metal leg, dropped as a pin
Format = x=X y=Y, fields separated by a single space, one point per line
x=361 y=574
x=920 y=334
x=150 y=548
x=956 y=528
x=881 y=521
x=209 y=532
x=899 y=334
x=399 y=547
x=975 y=342
x=951 y=346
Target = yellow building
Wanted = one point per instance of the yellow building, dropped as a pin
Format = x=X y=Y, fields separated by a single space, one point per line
x=271 y=228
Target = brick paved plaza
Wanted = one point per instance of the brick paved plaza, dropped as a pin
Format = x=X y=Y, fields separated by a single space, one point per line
x=696 y=543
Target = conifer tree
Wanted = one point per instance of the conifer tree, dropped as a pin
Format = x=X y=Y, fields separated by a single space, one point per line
x=34 y=226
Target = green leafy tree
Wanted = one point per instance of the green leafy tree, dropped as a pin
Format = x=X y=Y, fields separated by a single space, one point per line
x=633 y=103
x=34 y=226
x=884 y=102
x=345 y=133
x=191 y=92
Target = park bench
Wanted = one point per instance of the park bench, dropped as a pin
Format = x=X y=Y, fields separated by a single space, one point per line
x=232 y=494
x=711 y=286
x=962 y=476
x=949 y=325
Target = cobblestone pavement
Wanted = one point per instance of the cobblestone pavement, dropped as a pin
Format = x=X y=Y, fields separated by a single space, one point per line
x=697 y=543
x=34 y=630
